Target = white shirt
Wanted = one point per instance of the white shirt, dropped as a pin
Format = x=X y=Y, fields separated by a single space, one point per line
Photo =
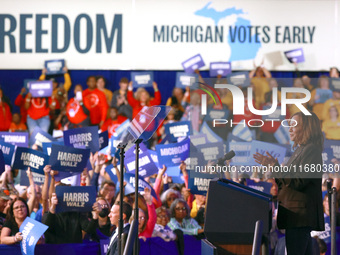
x=116 y=234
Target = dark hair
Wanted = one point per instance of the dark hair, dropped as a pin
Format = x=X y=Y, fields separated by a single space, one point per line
x=88 y=78
x=124 y=80
x=101 y=77
x=310 y=130
x=163 y=209
x=322 y=245
x=173 y=207
x=322 y=77
x=127 y=209
x=10 y=215
x=109 y=183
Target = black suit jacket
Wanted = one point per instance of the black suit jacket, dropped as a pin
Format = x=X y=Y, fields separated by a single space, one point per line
x=300 y=196
x=113 y=249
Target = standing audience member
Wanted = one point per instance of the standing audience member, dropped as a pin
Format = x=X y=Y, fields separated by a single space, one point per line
x=119 y=99
x=5 y=113
x=101 y=85
x=113 y=121
x=20 y=102
x=98 y=103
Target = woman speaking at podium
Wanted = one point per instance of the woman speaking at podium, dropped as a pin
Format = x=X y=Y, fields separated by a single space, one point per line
x=300 y=196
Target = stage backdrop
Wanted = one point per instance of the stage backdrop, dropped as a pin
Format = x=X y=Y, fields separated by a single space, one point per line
x=160 y=35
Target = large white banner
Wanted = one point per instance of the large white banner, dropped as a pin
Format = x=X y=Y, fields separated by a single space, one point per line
x=161 y=34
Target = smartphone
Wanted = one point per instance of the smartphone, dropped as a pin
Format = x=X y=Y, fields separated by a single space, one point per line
x=79 y=96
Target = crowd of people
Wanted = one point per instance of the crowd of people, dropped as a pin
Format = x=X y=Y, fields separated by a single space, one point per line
x=175 y=211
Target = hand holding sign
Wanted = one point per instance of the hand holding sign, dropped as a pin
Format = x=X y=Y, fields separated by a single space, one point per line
x=54 y=202
x=264 y=160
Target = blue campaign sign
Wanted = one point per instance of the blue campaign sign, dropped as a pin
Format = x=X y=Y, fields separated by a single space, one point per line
x=334 y=146
x=31 y=231
x=8 y=152
x=193 y=63
x=216 y=113
x=2 y=163
x=75 y=199
x=104 y=245
x=27 y=84
x=41 y=88
x=142 y=79
x=111 y=170
x=296 y=55
x=275 y=115
x=19 y=139
x=37 y=178
x=174 y=153
x=184 y=80
x=198 y=139
x=39 y=137
x=335 y=84
x=147 y=166
x=142 y=184
x=82 y=137
x=322 y=95
x=261 y=186
x=198 y=182
x=219 y=68
x=25 y=158
x=178 y=179
x=282 y=135
x=178 y=129
x=242 y=132
x=65 y=158
x=47 y=147
x=327 y=155
x=242 y=151
x=239 y=79
x=122 y=128
x=103 y=139
x=113 y=143
x=55 y=66
x=212 y=137
x=195 y=159
x=212 y=151
x=276 y=151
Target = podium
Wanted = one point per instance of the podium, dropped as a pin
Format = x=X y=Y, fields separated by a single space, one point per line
x=232 y=211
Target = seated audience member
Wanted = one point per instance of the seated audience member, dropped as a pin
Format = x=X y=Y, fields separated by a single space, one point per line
x=5 y=113
x=17 y=125
x=114 y=219
x=119 y=99
x=98 y=103
x=334 y=101
x=180 y=219
x=113 y=121
x=77 y=109
x=161 y=229
x=147 y=221
x=142 y=98
x=330 y=126
x=18 y=212
x=20 y=102
x=101 y=85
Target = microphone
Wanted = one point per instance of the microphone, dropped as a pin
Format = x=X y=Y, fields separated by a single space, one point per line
x=227 y=156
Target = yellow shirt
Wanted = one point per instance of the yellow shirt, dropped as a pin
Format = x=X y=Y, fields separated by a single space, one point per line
x=328 y=104
x=331 y=129
x=67 y=81
x=261 y=87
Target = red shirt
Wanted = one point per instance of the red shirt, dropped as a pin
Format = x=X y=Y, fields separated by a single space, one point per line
x=75 y=112
x=5 y=116
x=38 y=107
x=98 y=105
x=111 y=125
x=137 y=106
x=20 y=101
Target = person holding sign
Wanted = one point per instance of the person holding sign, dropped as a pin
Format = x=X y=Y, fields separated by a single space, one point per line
x=18 y=212
x=259 y=78
x=5 y=113
x=300 y=199
x=98 y=106
x=101 y=84
x=67 y=81
x=142 y=98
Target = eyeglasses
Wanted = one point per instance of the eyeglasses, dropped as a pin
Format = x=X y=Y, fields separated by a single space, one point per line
x=171 y=199
x=104 y=206
x=141 y=218
x=19 y=207
x=180 y=209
